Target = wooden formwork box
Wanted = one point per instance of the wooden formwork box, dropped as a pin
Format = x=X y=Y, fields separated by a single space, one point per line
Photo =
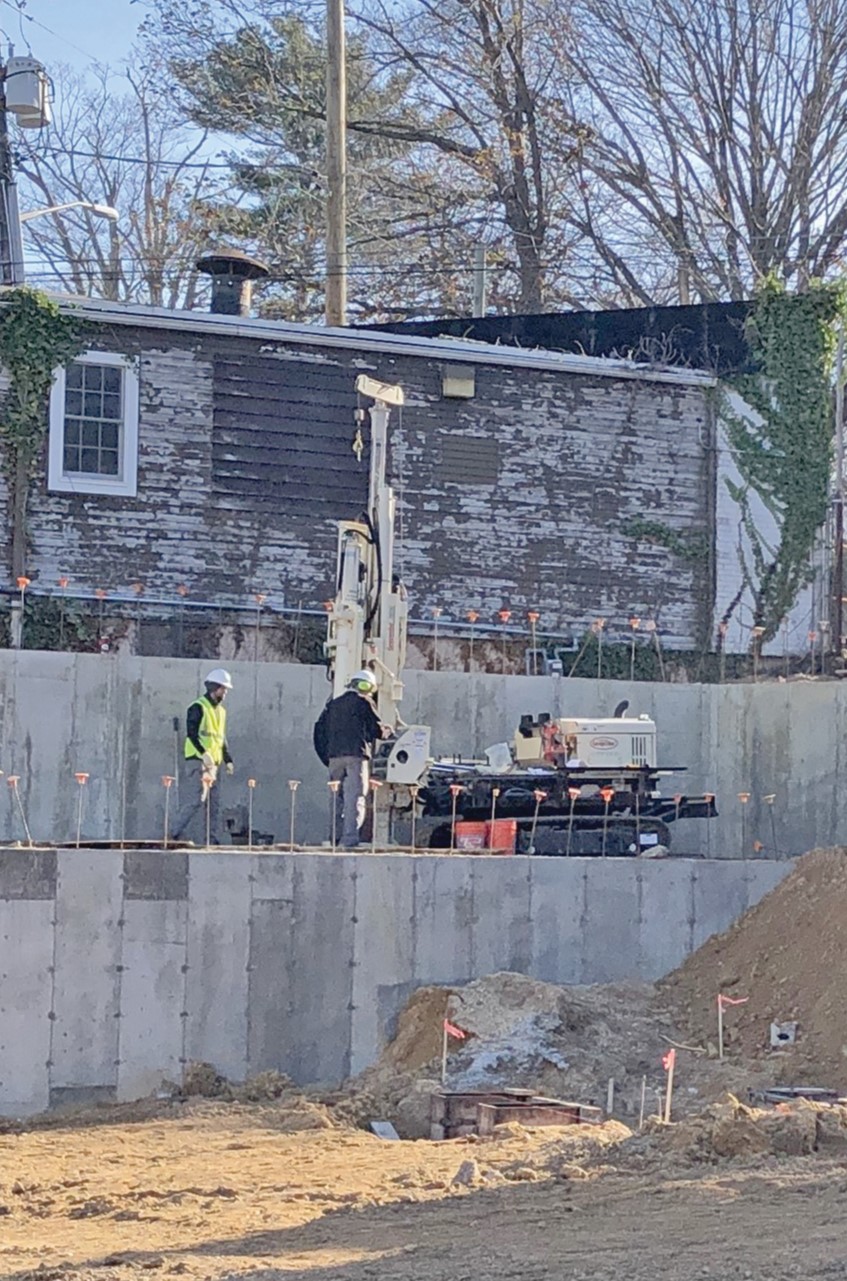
x=454 y=1113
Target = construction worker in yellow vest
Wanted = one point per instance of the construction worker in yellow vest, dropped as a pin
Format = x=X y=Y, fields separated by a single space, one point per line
x=206 y=754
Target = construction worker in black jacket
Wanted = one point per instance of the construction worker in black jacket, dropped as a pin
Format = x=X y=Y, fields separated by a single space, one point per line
x=344 y=736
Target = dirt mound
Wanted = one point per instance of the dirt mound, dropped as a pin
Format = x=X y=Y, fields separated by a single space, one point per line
x=562 y=1041
x=418 y=1038
x=570 y=1153
x=788 y=956
x=287 y=1108
x=730 y=1129
x=202 y=1080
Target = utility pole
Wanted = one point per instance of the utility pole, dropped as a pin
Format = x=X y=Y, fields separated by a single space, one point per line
x=336 y=166
x=838 y=568
x=479 y=281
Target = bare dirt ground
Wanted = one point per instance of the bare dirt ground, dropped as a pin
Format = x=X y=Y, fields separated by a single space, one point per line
x=220 y=1190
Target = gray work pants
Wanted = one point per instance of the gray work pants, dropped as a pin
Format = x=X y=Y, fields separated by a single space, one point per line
x=193 y=806
x=351 y=799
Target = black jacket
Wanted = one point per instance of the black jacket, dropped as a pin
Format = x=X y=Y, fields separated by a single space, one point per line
x=347 y=726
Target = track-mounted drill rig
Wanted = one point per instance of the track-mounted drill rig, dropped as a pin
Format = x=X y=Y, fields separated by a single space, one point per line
x=571 y=785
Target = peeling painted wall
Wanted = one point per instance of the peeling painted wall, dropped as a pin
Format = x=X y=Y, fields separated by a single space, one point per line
x=234 y=501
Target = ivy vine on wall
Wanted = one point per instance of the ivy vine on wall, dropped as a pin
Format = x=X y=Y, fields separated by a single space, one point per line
x=690 y=547
x=36 y=339
x=784 y=449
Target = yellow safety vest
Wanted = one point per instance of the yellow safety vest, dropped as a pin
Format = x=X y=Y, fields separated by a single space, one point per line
x=212 y=733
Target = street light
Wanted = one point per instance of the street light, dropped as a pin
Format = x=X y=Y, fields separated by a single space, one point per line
x=99 y=211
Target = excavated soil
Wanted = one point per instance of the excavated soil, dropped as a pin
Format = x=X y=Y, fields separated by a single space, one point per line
x=788 y=956
x=232 y=1191
x=559 y=1041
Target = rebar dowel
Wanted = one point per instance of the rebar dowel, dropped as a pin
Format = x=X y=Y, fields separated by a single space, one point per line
x=539 y=797
x=413 y=791
x=659 y=655
x=27 y=832
x=293 y=784
x=81 y=779
x=570 y=830
x=123 y=802
x=333 y=787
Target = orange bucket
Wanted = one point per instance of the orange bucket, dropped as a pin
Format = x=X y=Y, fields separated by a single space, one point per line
x=502 y=835
x=471 y=836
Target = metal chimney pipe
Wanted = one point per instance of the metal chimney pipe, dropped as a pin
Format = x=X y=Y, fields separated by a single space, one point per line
x=232 y=274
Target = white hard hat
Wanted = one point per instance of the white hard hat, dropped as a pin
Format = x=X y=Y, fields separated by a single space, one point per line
x=364 y=677
x=219 y=677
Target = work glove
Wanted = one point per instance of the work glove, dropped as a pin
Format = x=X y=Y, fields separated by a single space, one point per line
x=230 y=769
x=208 y=763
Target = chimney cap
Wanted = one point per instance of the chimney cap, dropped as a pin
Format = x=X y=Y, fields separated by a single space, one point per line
x=232 y=262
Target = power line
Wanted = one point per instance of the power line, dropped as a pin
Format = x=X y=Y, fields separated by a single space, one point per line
x=136 y=160
x=282 y=277
x=19 y=9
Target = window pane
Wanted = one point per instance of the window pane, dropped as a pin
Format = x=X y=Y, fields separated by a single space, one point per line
x=93 y=377
x=92 y=405
x=88 y=460
x=108 y=462
x=73 y=377
x=112 y=378
x=111 y=406
x=72 y=431
x=70 y=459
x=91 y=434
x=109 y=435
x=73 y=402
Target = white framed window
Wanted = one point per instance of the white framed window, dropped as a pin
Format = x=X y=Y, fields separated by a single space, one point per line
x=94 y=427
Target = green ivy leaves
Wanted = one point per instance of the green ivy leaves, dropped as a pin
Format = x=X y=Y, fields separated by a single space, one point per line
x=690 y=547
x=36 y=338
x=784 y=453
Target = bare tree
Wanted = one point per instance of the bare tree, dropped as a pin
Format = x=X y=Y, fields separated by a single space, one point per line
x=480 y=75
x=718 y=131
x=120 y=143
x=448 y=121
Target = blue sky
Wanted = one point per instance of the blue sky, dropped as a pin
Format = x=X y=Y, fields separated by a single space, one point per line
x=81 y=31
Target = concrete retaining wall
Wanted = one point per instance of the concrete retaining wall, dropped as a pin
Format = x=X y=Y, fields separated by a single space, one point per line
x=111 y=716
x=118 y=967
